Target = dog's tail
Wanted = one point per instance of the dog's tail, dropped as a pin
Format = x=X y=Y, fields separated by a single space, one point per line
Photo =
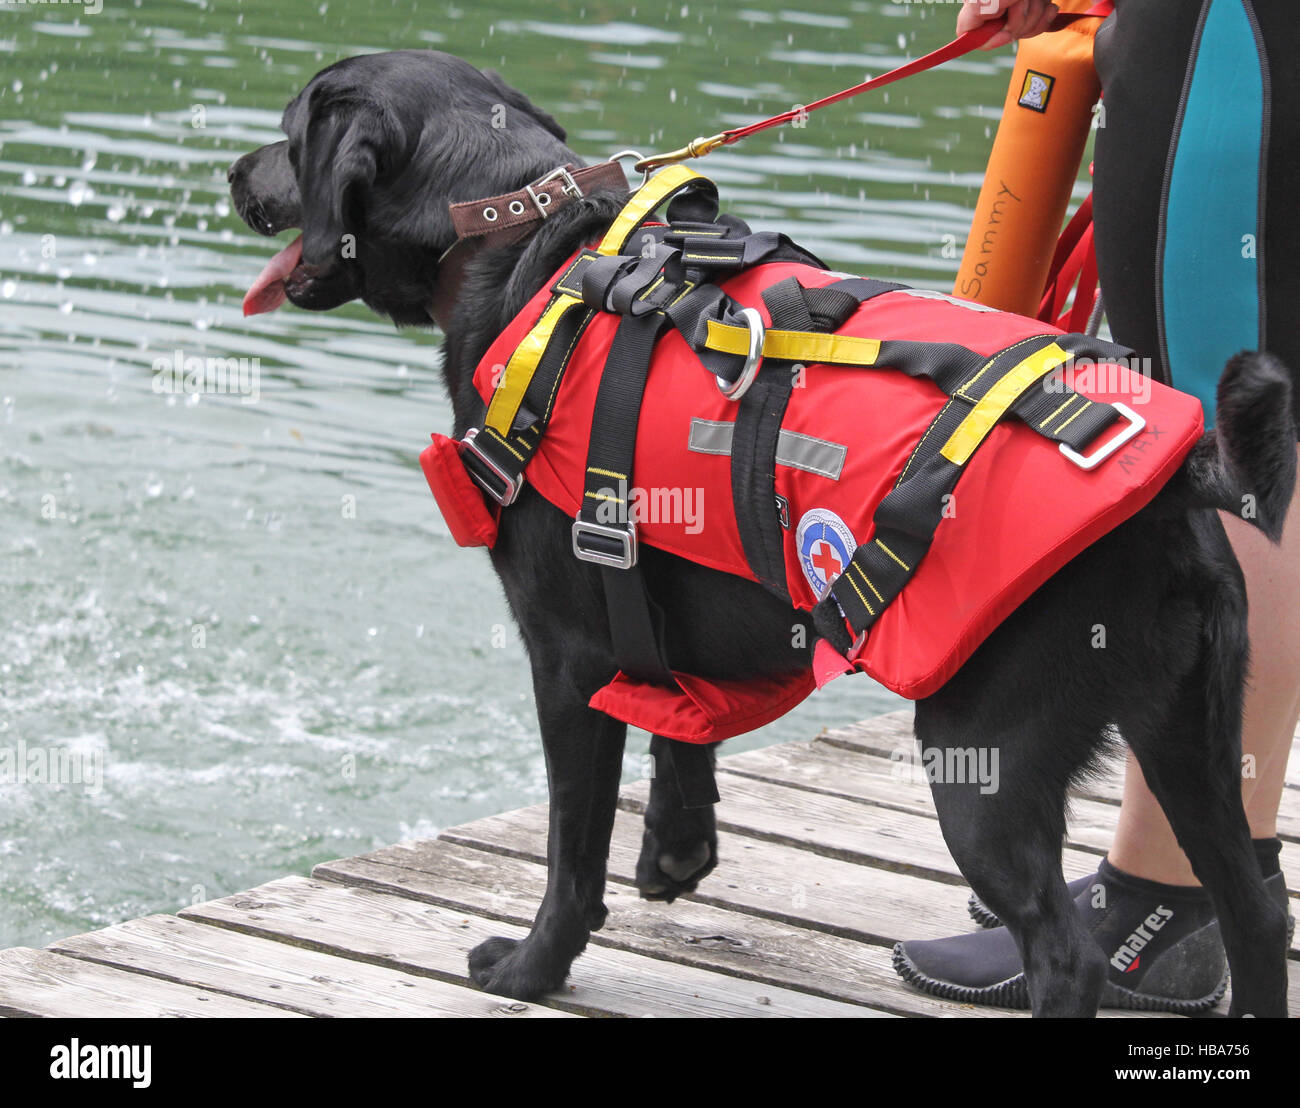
x=1247 y=464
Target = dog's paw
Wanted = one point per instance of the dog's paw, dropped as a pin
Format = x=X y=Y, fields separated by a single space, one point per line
x=665 y=873
x=503 y=966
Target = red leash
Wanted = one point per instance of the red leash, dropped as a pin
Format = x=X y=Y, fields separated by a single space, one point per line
x=962 y=44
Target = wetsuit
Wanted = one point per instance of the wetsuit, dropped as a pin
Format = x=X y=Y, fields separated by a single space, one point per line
x=1196 y=174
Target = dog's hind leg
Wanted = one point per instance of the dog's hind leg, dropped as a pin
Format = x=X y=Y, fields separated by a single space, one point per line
x=584 y=757
x=1191 y=759
x=1005 y=829
x=679 y=846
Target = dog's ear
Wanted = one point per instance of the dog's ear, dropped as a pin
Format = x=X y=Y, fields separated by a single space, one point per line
x=339 y=161
x=517 y=99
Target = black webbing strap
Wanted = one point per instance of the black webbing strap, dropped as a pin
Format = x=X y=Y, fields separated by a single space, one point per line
x=636 y=623
x=761 y=412
x=905 y=521
x=604 y=527
x=692 y=765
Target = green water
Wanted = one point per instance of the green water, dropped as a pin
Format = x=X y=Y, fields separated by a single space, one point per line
x=251 y=614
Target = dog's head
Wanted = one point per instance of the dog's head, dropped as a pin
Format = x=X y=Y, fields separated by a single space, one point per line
x=377 y=147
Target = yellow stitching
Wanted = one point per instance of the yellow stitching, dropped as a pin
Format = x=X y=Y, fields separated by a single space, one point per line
x=602 y=496
x=1060 y=407
x=708 y=258
x=572 y=272
x=607 y=473
x=1061 y=429
x=983 y=369
x=1015 y=345
x=865 y=603
x=564 y=364
x=497 y=436
x=654 y=285
x=893 y=555
x=685 y=289
x=854 y=565
x=709 y=234
x=917 y=449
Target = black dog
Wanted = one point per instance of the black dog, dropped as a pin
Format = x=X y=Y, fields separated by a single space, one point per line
x=378 y=147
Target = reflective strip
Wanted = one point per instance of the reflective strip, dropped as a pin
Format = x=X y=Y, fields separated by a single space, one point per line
x=710 y=436
x=819 y=456
x=982 y=418
x=518 y=375
x=796 y=346
x=644 y=201
x=813 y=455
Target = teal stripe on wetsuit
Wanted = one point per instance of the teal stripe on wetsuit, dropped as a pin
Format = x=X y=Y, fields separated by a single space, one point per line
x=1211 y=273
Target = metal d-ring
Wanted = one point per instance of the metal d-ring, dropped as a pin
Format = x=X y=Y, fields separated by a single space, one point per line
x=734 y=390
x=631 y=154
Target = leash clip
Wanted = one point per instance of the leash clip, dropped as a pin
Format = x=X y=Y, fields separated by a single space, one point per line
x=734 y=390
x=696 y=148
x=1136 y=424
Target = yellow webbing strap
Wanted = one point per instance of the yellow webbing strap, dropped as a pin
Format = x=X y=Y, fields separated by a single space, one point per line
x=519 y=371
x=518 y=375
x=993 y=405
x=665 y=183
x=796 y=346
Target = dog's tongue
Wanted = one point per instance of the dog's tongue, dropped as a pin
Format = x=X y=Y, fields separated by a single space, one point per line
x=267 y=292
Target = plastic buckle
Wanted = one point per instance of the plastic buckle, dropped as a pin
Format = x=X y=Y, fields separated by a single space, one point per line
x=542 y=200
x=734 y=390
x=508 y=488
x=624 y=536
x=1136 y=424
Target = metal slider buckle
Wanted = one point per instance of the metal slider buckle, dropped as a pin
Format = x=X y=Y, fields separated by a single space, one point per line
x=1136 y=424
x=624 y=536
x=508 y=488
x=734 y=390
x=542 y=200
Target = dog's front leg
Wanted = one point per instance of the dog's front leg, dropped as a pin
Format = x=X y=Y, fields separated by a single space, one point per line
x=584 y=757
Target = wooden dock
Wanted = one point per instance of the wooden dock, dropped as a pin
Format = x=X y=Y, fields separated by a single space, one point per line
x=827 y=858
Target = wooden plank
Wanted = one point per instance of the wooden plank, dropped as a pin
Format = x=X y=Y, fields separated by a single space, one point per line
x=39 y=983
x=425 y=938
x=305 y=981
x=845 y=829
x=686 y=931
x=767 y=879
x=888 y=783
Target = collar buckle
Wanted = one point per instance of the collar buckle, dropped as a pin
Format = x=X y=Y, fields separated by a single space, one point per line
x=542 y=200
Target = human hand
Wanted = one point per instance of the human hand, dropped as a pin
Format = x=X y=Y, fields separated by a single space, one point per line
x=1024 y=18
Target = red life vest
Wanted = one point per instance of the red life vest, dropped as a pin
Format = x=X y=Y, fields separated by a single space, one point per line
x=1019 y=513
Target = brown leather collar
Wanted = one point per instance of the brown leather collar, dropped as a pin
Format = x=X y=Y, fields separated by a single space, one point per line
x=496 y=220
x=513 y=211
